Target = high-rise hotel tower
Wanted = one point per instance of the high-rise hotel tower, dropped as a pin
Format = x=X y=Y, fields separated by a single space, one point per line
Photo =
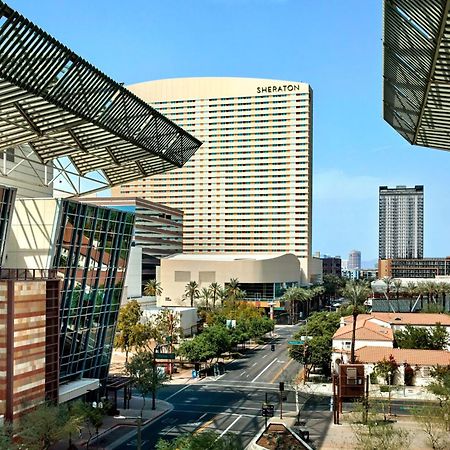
x=248 y=188
x=401 y=222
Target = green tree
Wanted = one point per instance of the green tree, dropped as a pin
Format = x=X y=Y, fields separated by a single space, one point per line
x=436 y=338
x=211 y=343
x=46 y=425
x=207 y=439
x=440 y=386
x=333 y=285
x=145 y=376
x=6 y=439
x=167 y=327
x=191 y=292
x=92 y=417
x=126 y=331
x=293 y=297
x=214 y=289
x=205 y=294
x=316 y=352
x=386 y=368
x=356 y=293
x=153 y=288
x=222 y=295
x=411 y=292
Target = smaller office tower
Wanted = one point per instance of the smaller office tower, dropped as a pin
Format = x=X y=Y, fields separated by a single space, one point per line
x=401 y=222
x=332 y=265
x=158 y=233
x=354 y=260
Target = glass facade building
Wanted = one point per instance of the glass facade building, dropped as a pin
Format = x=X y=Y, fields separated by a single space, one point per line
x=92 y=246
x=7 y=197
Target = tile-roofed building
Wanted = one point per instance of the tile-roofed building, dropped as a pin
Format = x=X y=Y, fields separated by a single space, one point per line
x=413 y=357
x=413 y=319
x=367 y=333
x=365 y=330
x=421 y=361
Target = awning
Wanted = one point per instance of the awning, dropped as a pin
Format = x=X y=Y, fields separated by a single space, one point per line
x=62 y=106
x=416 y=85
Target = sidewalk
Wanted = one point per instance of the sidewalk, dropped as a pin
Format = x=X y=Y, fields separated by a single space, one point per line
x=397 y=392
x=114 y=428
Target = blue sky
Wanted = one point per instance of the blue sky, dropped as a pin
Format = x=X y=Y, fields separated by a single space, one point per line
x=335 y=46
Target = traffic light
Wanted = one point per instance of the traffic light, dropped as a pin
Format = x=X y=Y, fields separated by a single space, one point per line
x=281 y=386
x=272 y=347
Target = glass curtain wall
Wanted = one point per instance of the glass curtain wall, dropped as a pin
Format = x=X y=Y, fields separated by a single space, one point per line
x=92 y=250
x=7 y=197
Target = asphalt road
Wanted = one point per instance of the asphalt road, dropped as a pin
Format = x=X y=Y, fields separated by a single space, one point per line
x=228 y=403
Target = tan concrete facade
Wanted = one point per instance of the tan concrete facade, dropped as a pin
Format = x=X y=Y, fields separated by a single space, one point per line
x=248 y=187
x=178 y=270
x=31 y=235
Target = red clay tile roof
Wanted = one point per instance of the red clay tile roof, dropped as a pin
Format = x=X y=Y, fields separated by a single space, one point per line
x=401 y=355
x=405 y=318
x=366 y=331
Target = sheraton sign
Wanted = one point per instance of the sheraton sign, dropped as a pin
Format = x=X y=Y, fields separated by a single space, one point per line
x=275 y=89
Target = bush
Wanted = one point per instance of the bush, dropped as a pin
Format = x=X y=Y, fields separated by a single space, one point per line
x=373 y=378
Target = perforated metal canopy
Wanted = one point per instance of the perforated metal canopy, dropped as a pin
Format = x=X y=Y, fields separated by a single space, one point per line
x=62 y=106
x=416 y=86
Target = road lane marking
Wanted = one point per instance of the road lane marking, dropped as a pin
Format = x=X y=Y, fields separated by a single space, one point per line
x=242 y=373
x=205 y=425
x=281 y=370
x=175 y=393
x=265 y=356
x=253 y=365
x=234 y=421
x=260 y=373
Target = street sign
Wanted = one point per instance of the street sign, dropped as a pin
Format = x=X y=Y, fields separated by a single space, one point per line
x=305 y=338
x=164 y=355
x=296 y=342
x=267 y=410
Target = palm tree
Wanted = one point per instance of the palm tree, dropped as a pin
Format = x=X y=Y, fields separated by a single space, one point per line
x=292 y=297
x=411 y=291
x=191 y=291
x=233 y=291
x=214 y=288
x=387 y=293
x=205 y=294
x=233 y=286
x=357 y=293
x=397 y=284
x=222 y=294
x=152 y=288
x=431 y=289
x=444 y=289
x=318 y=291
x=421 y=290
x=307 y=296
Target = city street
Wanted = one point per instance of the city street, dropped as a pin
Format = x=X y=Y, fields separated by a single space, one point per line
x=230 y=402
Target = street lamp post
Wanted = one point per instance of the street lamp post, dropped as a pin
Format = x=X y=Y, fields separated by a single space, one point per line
x=139 y=428
x=389 y=383
x=405 y=364
x=96 y=405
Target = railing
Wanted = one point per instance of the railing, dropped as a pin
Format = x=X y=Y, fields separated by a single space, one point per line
x=28 y=274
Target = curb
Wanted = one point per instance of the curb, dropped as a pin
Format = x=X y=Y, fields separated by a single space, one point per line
x=129 y=435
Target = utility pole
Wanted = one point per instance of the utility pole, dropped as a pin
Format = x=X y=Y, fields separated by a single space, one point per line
x=281 y=398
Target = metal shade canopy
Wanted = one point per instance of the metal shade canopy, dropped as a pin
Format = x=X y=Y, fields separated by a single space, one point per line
x=61 y=106
x=416 y=85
